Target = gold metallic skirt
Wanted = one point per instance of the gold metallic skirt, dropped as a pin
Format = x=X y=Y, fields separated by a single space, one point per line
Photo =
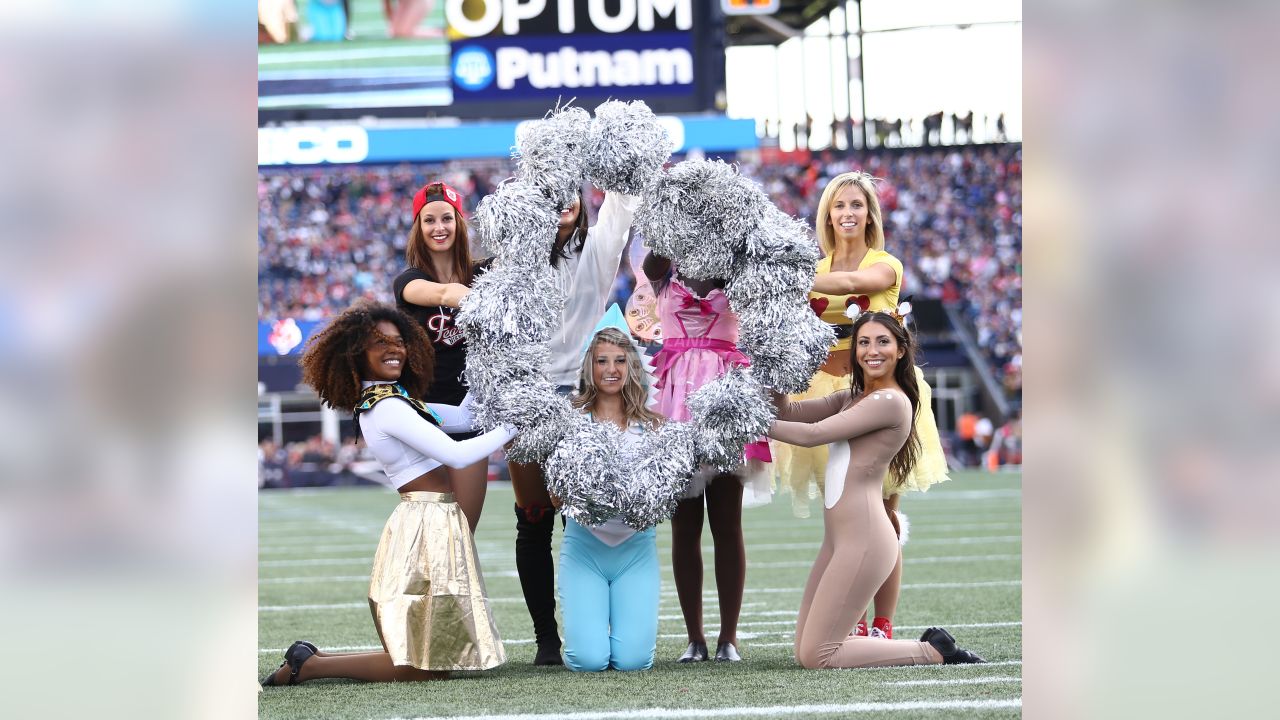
x=426 y=592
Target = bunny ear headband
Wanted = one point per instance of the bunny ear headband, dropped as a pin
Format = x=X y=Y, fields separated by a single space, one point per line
x=898 y=313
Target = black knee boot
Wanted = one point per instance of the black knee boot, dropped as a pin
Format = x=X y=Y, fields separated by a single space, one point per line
x=537 y=578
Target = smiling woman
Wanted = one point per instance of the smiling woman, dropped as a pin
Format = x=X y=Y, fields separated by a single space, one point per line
x=439 y=275
x=425 y=590
x=872 y=434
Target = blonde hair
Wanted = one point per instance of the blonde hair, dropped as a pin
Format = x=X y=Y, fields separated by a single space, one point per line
x=875 y=223
x=634 y=392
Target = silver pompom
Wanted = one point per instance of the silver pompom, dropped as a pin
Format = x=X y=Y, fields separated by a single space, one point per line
x=660 y=467
x=626 y=147
x=727 y=413
x=699 y=213
x=583 y=471
x=517 y=223
x=541 y=417
x=510 y=304
x=756 y=282
x=786 y=345
x=550 y=153
x=780 y=238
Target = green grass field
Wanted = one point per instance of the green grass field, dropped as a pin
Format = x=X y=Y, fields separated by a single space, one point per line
x=963 y=572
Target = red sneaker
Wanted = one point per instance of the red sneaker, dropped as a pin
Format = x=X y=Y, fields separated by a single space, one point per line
x=882 y=628
x=860 y=629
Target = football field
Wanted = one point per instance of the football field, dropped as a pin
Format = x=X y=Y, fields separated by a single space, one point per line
x=962 y=572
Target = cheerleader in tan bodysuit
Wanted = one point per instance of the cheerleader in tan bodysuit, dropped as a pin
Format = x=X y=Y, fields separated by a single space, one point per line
x=869 y=431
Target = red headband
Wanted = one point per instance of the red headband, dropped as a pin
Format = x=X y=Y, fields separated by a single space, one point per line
x=436 y=191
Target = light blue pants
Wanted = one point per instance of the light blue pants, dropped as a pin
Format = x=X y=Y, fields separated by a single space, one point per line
x=328 y=20
x=609 y=597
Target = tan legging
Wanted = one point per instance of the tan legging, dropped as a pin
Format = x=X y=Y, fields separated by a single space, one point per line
x=859 y=550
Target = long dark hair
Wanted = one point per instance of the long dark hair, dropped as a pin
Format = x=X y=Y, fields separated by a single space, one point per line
x=417 y=256
x=904 y=373
x=578 y=239
x=333 y=363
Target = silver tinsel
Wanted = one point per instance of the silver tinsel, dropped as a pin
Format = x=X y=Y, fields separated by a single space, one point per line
x=550 y=153
x=517 y=223
x=786 y=345
x=699 y=213
x=780 y=238
x=626 y=146
x=659 y=468
x=713 y=223
x=509 y=304
x=727 y=413
x=756 y=282
x=541 y=417
x=584 y=471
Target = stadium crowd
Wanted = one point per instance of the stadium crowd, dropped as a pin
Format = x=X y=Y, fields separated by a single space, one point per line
x=952 y=215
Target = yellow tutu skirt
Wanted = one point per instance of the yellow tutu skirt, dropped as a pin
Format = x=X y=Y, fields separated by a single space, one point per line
x=798 y=468
x=426 y=592
x=931 y=466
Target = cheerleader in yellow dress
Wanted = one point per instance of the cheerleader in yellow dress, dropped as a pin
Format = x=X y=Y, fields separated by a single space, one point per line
x=857 y=275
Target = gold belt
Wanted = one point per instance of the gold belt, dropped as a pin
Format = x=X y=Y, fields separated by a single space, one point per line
x=424 y=496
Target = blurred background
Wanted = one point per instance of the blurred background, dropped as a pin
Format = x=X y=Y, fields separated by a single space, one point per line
x=127 y=520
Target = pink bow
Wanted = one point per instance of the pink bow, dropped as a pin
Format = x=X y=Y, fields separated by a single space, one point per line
x=704 y=306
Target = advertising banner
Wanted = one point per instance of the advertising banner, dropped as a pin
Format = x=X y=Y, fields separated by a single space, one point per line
x=342 y=144
x=512 y=57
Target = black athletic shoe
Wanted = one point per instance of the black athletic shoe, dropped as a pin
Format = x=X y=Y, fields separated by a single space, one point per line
x=942 y=641
x=696 y=652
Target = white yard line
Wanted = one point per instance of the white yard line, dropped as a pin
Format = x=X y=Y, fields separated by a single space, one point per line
x=965 y=495
x=756 y=710
x=667 y=595
x=961 y=681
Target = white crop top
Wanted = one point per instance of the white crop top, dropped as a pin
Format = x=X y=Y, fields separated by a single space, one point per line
x=408 y=446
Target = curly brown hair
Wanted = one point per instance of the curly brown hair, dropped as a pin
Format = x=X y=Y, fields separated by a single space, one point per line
x=333 y=363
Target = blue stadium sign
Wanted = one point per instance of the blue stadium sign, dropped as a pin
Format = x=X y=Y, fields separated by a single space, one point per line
x=512 y=57
x=352 y=144
x=547 y=67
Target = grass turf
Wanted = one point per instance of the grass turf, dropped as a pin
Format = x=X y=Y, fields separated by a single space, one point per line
x=963 y=571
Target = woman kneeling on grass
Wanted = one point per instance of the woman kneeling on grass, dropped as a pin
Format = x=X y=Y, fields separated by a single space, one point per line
x=425 y=591
x=609 y=574
x=871 y=431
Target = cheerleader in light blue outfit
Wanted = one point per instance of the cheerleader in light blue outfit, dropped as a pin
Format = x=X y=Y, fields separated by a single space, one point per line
x=609 y=574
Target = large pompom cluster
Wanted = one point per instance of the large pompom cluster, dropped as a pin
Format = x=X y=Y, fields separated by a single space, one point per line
x=625 y=147
x=713 y=223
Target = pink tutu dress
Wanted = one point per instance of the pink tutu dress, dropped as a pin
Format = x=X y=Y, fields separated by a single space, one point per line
x=699 y=343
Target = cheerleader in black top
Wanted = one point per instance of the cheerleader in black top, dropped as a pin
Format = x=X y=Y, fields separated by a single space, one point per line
x=430 y=290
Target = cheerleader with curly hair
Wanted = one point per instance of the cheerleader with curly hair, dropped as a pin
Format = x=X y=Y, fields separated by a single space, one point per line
x=426 y=592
